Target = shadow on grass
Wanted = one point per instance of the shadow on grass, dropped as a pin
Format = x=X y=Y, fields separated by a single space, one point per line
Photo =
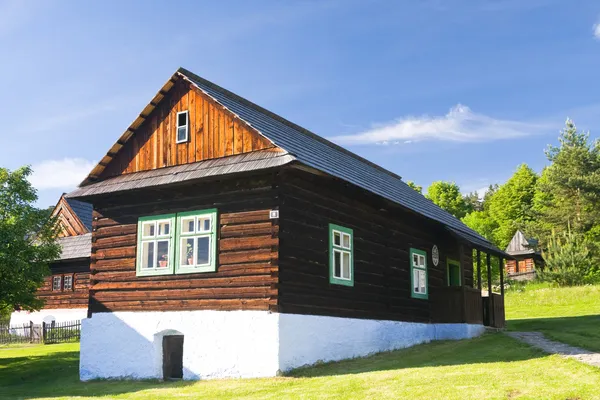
x=489 y=348
x=57 y=375
x=582 y=331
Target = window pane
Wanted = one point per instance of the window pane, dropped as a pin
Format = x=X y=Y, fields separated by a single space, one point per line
x=204 y=224
x=147 y=254
x=421 y=261
x=182 y=134
x=415 y=260
x=187 y=251
x=164 y=227
x=162 y=253
x=337 y=272
x=148 y=229
x=182 y=119
x=346 y=265
x=187 y=225
x=346 y=240
x=416 y=280
x=203 y=256
x=336 y=239
x=422 y=281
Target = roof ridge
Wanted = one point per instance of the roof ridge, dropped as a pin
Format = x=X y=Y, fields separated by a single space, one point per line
x=281 y=119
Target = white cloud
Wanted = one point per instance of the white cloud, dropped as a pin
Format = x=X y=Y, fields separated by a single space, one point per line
x=60 y=174
x=460 y=124
x=597 y=31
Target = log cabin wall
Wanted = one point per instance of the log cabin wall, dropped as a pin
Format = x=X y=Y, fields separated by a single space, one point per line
x=213 y=132
x=382 y=241
x=247 y=253
x=77 y=297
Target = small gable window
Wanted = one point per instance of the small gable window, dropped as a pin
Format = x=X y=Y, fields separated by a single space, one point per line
x=57 y=283
x=182 y=126
x=341 y=253
x=418 y=274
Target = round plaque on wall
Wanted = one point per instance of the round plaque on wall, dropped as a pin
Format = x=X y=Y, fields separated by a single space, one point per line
x=435 y=255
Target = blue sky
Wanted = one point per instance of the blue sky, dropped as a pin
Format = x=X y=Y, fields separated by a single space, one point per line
x=433 y=90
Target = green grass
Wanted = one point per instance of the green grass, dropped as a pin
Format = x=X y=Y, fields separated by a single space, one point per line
x=492 y=367
x=570 y=315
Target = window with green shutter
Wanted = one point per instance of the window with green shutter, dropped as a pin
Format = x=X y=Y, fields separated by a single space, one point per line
x=418 y=274
x=341 y=255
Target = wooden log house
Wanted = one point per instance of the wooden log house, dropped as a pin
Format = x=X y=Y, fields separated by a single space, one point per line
x=526 y=258
x=65 y=290
x=229 y=241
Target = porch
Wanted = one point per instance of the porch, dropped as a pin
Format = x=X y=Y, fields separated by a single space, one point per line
x=465 y=304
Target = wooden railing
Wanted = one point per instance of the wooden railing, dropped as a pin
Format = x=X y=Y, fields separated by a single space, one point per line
x=494 y=311
x=455 y=304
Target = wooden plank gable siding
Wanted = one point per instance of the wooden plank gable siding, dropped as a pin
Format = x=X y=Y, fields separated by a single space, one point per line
x=247 y=253
x=213 y=132
x=382 y=241
x=76 y=298
x=69 y=223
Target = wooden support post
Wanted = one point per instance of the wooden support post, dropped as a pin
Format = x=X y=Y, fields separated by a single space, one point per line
x=479 y=270
x=488 y=260
x=461 y=259
x=500 y=259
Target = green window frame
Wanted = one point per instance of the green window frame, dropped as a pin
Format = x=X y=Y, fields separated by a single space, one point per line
x=154 y=233
x=456 y=263
x=162 y=243
x=196 y=242
x=341 y=255
x=418 y=274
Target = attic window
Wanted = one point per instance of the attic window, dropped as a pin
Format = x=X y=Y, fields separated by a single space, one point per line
x=182 y=127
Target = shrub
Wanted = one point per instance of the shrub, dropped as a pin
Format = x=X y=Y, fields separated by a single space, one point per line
x=567 y=259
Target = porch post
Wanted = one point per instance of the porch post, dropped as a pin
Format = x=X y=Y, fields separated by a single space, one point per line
x=461 y=259
x=489 y=282
x=501 y=275
x=479 y=270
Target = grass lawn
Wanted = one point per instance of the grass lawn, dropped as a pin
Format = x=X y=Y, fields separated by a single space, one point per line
x=570 y=315
x=492 y=367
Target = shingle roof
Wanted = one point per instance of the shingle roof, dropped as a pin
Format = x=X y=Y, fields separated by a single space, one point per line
x=321 y=154
x=75 y=246
x=256 y=160
x=83 y=212
x=520 y=244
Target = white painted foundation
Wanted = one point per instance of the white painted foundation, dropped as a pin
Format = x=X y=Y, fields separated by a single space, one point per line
x=241 y=344
x=19 y=318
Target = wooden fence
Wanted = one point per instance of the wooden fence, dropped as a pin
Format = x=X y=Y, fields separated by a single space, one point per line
x=46 y=333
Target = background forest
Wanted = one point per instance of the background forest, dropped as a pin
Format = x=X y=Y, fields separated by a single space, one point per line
x=560 y=207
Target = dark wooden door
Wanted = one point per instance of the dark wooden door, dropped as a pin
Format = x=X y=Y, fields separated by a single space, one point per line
x=173 y=357
x=453 y=275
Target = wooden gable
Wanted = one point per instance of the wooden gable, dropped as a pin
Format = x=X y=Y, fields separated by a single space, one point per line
x=214 y=132
x=68 y=221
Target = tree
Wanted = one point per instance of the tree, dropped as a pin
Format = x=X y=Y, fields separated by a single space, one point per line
x=416 y=187
x=27 y=241
x=567 y=259
x=447 y=195
x=568 y=192
x=510 y=206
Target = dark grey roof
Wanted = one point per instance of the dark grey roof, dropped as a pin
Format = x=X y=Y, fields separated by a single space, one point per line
x=83 y=212
x=75 y=246
x=256 y=160
x=319 y=153
x=520 y=244
x=483 y=244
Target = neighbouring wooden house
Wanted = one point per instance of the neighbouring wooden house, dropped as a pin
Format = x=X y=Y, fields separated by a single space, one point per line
x=65 y=291
x=526 y=257
x=230 y=242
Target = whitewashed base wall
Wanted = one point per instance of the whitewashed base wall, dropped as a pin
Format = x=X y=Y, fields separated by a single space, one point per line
x=241 y=344
x=37 y=317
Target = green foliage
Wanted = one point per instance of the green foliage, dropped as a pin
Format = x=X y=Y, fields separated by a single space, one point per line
x=414 y=186
x=567 y=260
x=447 y=195
x=27 y=241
